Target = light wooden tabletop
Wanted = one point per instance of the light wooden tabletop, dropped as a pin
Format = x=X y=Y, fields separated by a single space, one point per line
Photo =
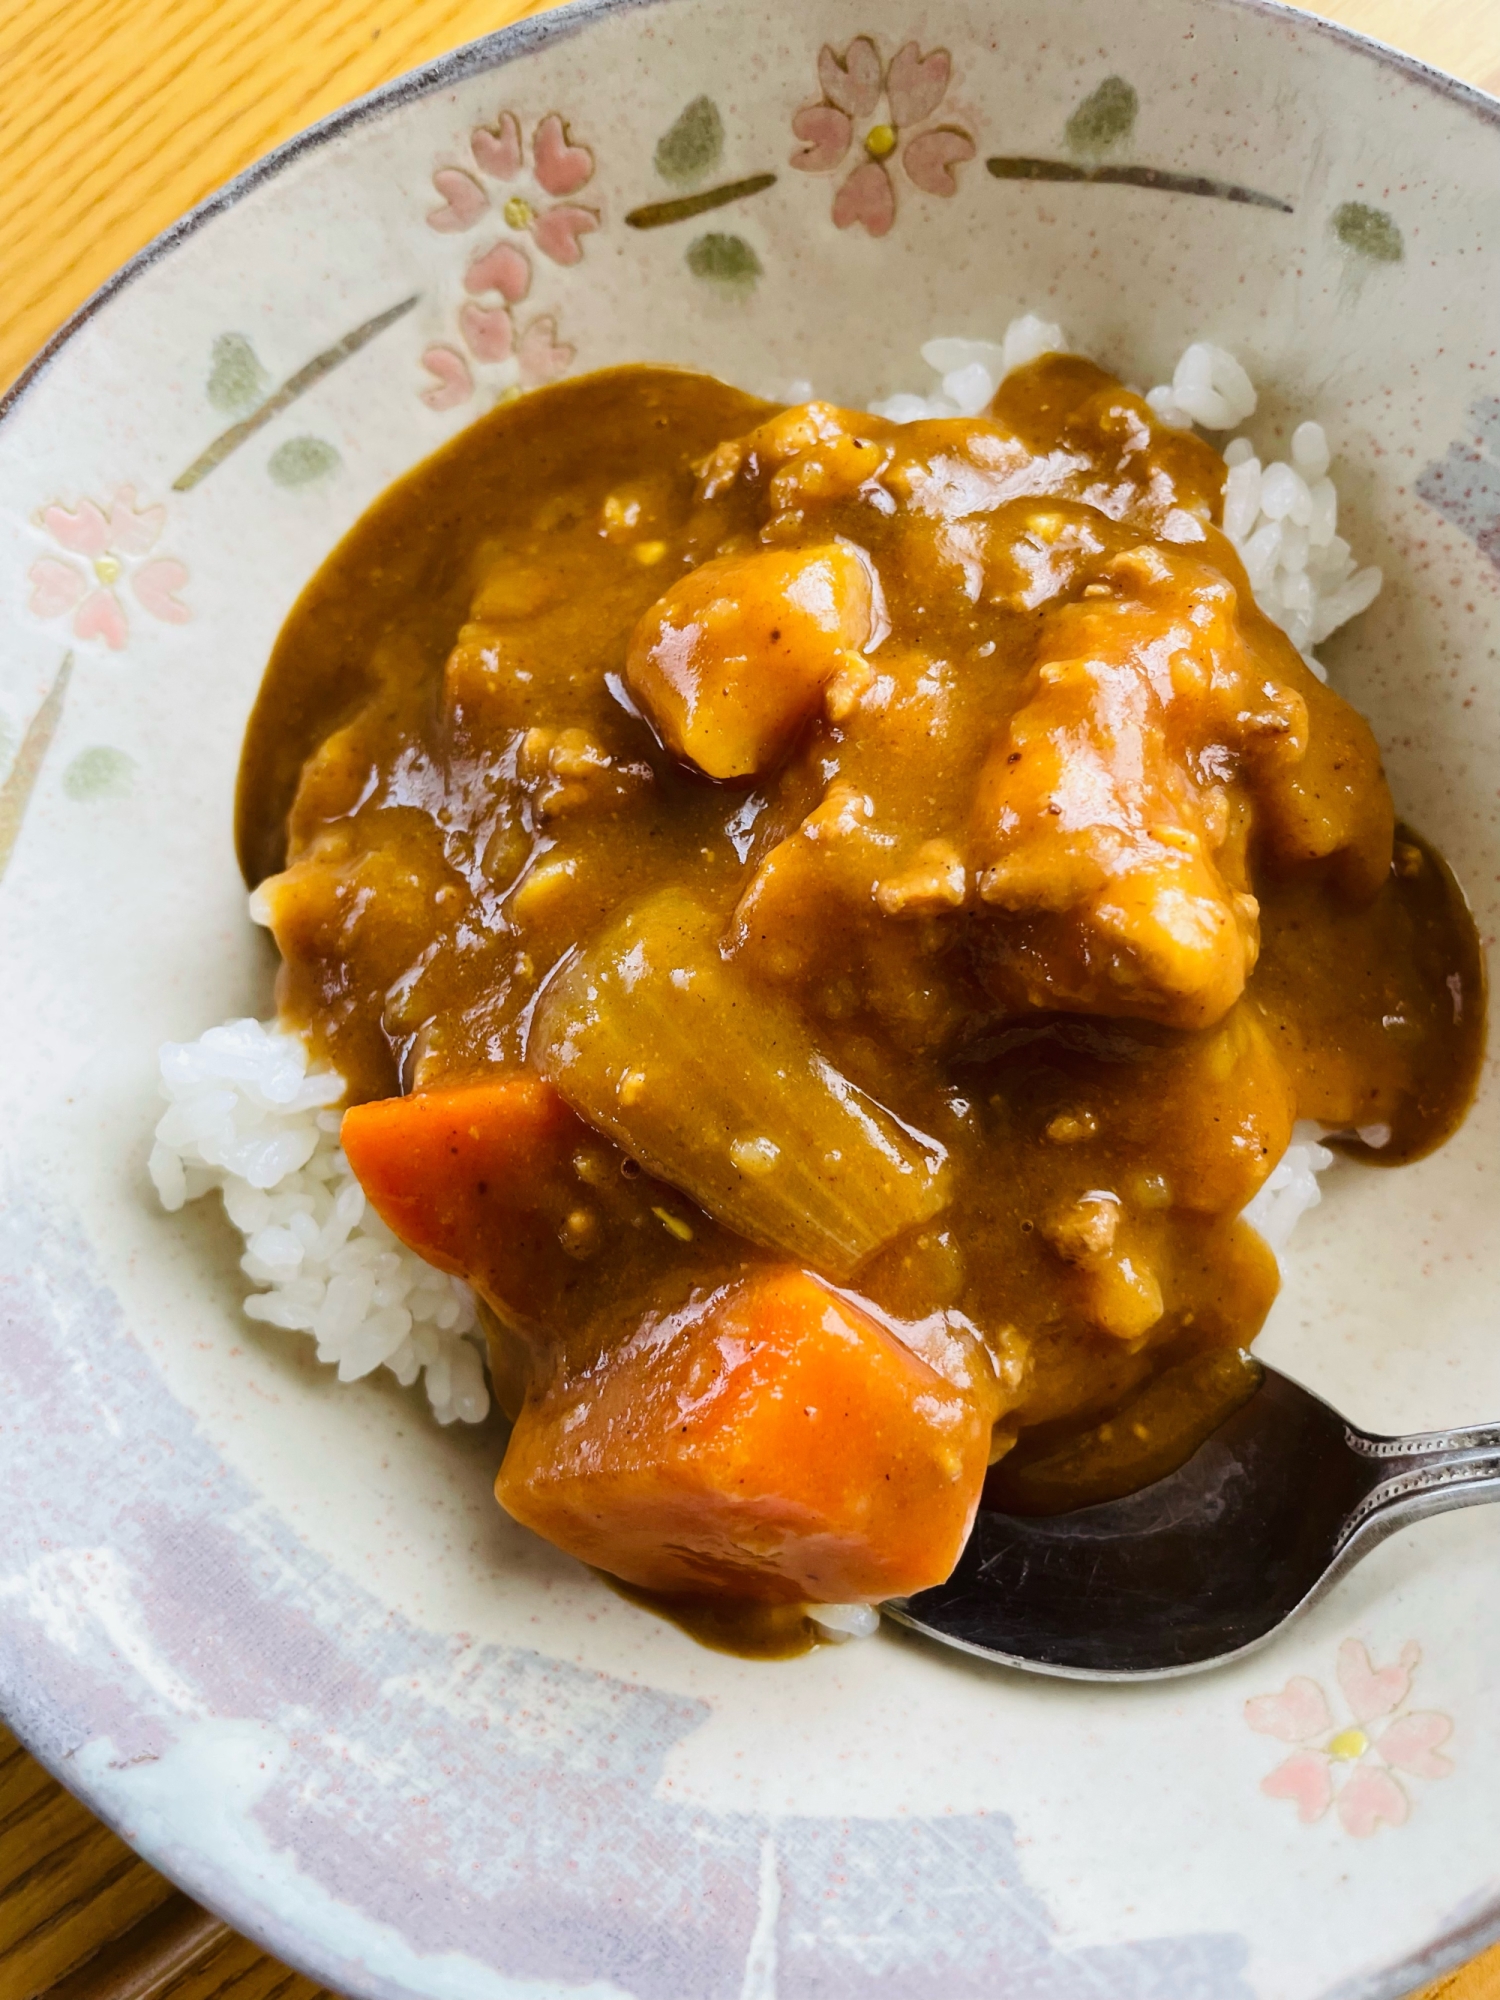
x=114 y=119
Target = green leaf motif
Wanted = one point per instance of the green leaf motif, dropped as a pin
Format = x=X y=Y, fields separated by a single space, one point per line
x=301 y=460
x=1368 y=232
x=100 y=773
x=236 y=380
x=1106 y=118
x=727 y=261
x=692 y=145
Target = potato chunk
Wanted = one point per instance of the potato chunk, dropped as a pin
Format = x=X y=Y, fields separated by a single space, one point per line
x=770 y=1441
x=733 y=660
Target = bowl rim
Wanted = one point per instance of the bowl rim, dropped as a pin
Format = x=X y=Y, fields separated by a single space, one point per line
x=558 y=22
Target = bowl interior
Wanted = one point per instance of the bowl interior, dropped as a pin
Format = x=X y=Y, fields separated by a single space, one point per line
x=277 y=1629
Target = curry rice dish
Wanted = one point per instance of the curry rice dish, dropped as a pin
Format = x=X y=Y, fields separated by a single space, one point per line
x=822 y=925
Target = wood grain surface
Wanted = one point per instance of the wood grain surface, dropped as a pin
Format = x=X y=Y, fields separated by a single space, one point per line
x=115 y=117
x=82 y=1918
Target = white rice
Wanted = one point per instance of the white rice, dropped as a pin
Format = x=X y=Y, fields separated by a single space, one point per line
x=839 y=1622
x=1291 y=1189
x=247 y=1116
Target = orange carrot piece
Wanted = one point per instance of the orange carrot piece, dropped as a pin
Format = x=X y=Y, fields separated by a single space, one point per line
x=474 y=1179
x=771 y=1441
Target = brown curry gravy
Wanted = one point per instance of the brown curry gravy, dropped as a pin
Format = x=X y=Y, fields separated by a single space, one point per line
x=444 y=756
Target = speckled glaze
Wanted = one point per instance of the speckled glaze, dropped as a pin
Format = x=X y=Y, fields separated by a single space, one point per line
x=276 y=1631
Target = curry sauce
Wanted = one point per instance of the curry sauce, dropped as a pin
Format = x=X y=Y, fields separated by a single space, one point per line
x=731 y=851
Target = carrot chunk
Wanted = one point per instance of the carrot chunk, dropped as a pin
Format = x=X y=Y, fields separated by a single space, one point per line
x=771 y=1441
x=475 y=1179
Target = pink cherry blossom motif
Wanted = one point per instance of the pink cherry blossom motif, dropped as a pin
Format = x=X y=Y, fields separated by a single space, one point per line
x=916 y=84
x=825 y=132
x=1370 y=1799
x=464 y=201
x=488 y=331
x=1371 y=1693
x=556 y=232
x=55 y=587
x=156 y=585
x=868 y=198
x=1352 y=1766
x=542 y=355
x=854 y=80
x=534 y=206
x=497 y=149
x=1410 y=1744
x=1303 y=1778
x=109 y=542
x=101 y=616
x=850 y=113
x=1295 y=1714
x=502 y=268
x=455 y=380
x=931 y=157
x=559 y=168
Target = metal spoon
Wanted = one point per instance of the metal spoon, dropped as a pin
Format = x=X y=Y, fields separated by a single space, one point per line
x=1208 y=1562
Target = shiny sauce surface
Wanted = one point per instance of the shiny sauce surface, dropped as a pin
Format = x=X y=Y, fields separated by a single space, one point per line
x=1072 y=867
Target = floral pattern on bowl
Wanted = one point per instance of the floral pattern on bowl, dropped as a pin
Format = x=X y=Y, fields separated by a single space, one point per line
x=111 y=544
x=499 y=276
x=1353 y=1767
x=881 y=109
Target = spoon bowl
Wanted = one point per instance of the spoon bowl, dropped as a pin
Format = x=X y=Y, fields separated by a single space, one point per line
x=1208 y=1562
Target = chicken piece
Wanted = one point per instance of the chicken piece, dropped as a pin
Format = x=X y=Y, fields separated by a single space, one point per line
x=1331 y=806
x=770 y=1441
x=733 y=660
x=358 y=923
x=851 y=445
x=1102 y=812
x=1108 y=448
x=1219 y=1106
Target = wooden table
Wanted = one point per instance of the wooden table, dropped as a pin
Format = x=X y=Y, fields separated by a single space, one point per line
x=115 y=116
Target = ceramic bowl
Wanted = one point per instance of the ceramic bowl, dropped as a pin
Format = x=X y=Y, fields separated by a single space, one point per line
x=275 y=1630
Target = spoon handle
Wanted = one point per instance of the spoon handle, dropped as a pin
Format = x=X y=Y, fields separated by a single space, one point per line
x=1426 y=1473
